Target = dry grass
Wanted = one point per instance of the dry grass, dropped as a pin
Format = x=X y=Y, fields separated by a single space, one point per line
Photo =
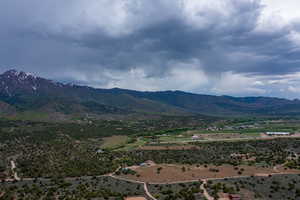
x=174 y=173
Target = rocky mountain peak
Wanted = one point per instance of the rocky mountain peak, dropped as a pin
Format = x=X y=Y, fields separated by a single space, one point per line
x=14 y=81
x=19 y=75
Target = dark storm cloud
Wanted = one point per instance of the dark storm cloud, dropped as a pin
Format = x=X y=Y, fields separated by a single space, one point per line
x=53 y=37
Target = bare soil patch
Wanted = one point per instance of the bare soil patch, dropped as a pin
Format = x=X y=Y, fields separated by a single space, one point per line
x=282 y=169
x=135 y=198
x=175 y=173
x=212 y=136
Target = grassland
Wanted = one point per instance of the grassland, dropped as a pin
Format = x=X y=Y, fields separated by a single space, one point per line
x=114 y=142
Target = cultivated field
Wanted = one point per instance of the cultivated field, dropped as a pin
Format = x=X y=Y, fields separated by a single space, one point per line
x=199 y=136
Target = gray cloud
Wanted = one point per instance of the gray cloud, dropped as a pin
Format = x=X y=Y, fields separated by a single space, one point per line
x=101 y=42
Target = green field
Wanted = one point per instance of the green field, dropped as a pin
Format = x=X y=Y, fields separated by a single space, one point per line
x=114 y=142
x=133 y=145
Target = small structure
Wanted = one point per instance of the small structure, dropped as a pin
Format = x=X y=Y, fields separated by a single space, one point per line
x=99 y=151
x=277 y=133
x=147 y=163
x=195 y=137
x=143 y=165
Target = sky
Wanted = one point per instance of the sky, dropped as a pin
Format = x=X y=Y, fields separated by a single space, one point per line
x=221 y=47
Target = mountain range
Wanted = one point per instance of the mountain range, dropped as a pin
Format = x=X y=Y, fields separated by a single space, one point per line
x=25 y=94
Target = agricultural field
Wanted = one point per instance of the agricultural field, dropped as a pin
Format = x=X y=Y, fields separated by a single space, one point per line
x=192 y=136
x=209 y=136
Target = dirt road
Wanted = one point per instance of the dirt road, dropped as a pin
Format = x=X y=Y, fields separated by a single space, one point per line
x=148 y=193
x=133 y=181
x=13 y=169
x=205 y=193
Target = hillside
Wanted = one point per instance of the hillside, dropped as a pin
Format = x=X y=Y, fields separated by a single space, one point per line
x=24 y=92
x=21 y=92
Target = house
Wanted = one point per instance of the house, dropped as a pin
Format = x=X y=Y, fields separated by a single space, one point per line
x=277 y=133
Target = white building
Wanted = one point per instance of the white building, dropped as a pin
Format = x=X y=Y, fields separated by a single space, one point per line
x=278 y=133
x=99 y=151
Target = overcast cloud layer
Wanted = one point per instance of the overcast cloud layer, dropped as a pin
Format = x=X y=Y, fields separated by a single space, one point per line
x=233 y=47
